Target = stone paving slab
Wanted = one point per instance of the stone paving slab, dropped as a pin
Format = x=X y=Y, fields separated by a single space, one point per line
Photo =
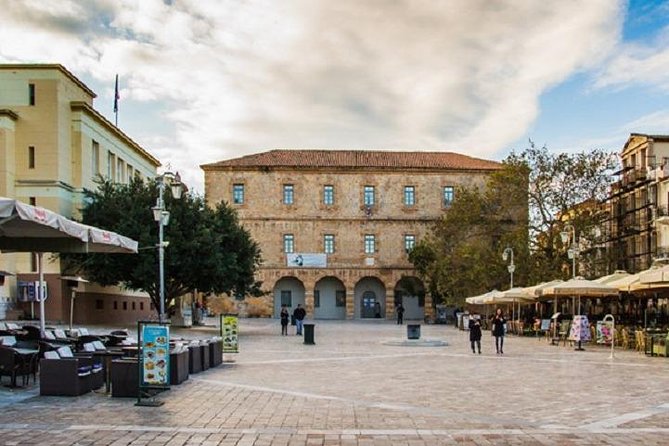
x=354 y=388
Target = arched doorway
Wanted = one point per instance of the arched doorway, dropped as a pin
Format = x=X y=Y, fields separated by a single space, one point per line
x=329 y=299
x=289 y=291
x=410 y=292
x=370 y=298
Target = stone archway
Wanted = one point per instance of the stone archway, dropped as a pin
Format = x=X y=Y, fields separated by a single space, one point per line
x=370 y=299
x=410 y=291
x=288 y=290
x=329 y=299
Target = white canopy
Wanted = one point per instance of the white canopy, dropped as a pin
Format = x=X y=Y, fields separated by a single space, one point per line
x=580 y=287
x=25 y=228
x=617 y=275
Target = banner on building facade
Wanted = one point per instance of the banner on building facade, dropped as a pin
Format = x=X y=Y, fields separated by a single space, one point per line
x=306 y=260
x=230 y=333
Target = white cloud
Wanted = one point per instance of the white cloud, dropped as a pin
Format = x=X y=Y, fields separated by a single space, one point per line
x=240 y=77
x=639 y=63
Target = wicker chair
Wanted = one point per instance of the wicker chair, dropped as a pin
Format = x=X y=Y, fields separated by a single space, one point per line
x=12 y=364
x=625 y=336
x=640 y=341
x=66 y=376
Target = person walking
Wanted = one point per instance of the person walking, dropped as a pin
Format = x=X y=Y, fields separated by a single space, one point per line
x=299 y=315
x=284 y=320
x=400 y=313
x=498 y=324
x=475 y=332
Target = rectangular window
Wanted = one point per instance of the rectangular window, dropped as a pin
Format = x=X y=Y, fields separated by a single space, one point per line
x=133 y=306
x=287 y=298
x=288 y=243
x=409 y=242
x=31 y=157
x=409 y=195
x=131 y=173
x=329 y=243
x=340 y=298
x=328 y=195
x=370 y=243
x=125 y=305
x=141 y=306
x=111 y=166
x=317 y=298
x=99 y=304
x=288 y=194
x=95 y=158
x=369 y=197
x=32 y=201
x=448 y=196
x=31 y=94
x=238 y=193
x=33 y=261
x=115 y=305
x=120 y=171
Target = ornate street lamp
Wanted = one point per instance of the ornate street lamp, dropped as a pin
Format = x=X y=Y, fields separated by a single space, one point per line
x=567 y=234
x=162 y=216
x=508 y=255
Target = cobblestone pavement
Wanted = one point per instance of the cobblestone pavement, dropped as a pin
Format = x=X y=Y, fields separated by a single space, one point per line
x=352 y=388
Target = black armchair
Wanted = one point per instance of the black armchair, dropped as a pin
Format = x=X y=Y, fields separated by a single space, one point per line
x=66 y=376
x=13 y=364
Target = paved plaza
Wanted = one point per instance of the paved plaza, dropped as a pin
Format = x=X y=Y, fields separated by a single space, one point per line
x=352 y=388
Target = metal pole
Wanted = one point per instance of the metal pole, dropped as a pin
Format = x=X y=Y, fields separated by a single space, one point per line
x=161 y=251
x=72 y=296
x=40 y=293
x=573 y=260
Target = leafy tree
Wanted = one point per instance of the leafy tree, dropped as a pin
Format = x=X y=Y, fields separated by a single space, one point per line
x=208 y=250
x=463 y=254
x=525 y=205
x=564 y=189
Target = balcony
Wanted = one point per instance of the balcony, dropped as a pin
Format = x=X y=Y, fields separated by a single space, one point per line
x=661 y=215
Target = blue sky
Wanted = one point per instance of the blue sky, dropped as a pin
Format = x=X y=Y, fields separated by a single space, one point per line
x=206 y=80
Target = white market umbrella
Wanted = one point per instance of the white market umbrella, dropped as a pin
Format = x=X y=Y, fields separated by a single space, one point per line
x=580 y=287
x=615 y=276
x=25 y=228
x=655 y=275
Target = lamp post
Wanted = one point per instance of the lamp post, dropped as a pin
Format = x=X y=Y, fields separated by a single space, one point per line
x=567 y=234
x=508 y=254
x=162 y=216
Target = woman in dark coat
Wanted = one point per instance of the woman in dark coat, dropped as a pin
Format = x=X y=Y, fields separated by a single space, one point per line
x=498 y=324
x=284 y=320
x=475 y=332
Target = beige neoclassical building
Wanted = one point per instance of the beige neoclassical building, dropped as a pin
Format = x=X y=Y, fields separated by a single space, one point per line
x=53 y=144
x=335 y=226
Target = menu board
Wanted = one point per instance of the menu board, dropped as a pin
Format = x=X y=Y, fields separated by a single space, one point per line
x=155 y=357
x=230 y=334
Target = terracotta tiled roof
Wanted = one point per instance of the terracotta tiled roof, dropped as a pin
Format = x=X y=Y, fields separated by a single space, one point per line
x=356 y=159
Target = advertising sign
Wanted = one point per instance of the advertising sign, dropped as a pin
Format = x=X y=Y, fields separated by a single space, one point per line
x=604 y=332
x=230 y=329
x=155 y=358
x=28 y=291
x=306 y=260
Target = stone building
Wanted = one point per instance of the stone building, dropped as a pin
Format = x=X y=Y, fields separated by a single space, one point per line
x=638 y=227
x=335 y=226
x=53 y=144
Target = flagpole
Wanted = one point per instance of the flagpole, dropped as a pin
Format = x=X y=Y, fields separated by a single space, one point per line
x=116 y=98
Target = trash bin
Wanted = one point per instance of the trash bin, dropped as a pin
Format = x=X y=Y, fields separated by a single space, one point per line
x=309 y=334
x=413 y=331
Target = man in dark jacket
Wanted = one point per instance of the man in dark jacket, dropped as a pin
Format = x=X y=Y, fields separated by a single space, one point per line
x=299 y=314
